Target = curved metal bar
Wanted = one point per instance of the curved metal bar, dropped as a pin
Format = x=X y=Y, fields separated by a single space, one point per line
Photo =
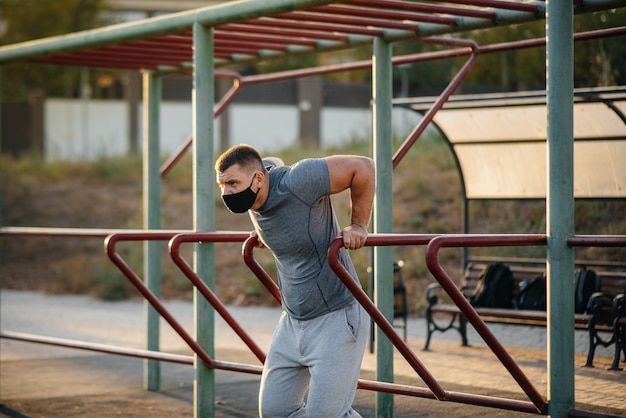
x=432 y=261
x=109 y=244
x=377 y=316
x=174 y=248
x=248 y=257
x=441 y=100
x=537 y=405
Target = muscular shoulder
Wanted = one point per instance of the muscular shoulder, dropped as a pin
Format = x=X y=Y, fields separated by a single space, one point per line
x=309 y=178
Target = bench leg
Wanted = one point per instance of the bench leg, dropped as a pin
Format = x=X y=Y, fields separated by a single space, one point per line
x=429 y=330
x=592 y=345
x=463 y=330
x=619 y=334
x=432 y=326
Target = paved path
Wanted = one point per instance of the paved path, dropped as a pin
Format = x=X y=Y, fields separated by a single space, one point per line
x=40 y=380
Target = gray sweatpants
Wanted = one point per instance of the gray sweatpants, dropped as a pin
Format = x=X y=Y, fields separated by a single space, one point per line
x=313 y=366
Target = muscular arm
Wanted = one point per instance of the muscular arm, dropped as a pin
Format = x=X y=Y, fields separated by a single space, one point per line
x=357 y=174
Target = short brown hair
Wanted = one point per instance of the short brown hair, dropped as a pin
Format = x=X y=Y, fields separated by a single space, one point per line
x=242 y=154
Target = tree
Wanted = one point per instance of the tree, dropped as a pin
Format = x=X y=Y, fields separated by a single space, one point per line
x=23 y=20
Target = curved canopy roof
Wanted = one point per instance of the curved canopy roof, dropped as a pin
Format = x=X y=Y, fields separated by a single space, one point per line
x=500 y=142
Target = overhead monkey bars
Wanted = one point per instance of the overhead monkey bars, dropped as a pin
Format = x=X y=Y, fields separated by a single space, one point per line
x=259 y=32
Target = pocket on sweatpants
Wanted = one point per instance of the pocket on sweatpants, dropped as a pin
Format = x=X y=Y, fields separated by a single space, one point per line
x=353 y=318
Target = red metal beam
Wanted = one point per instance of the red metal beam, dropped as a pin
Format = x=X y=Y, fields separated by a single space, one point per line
x=385 y=14
x=307 y=34
x=349 y=20
x=174 y=248
x=465 y=240
x=252 y=39
x=496 y=4
x=538 y=404
x=426 y=7
x=285 y=22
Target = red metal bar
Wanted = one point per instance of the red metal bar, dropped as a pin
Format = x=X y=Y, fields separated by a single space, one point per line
x=110 y=243
x=233 y=46
x=538 y=404
x=497 y=4
x=385 y=14
x=377 y=316
x=36 y=231
x=596 y=241
x=459 y=397
x=315 y=34
x=468 y=310
x=349 y=20
x=174 y=248
x=424 y=7
x=441 y=100
x=256 y=38
x=283 y=22
x=219 y=109
x=101 y=348
x=248 y=257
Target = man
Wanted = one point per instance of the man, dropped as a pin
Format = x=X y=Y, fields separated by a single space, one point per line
x=314 y=359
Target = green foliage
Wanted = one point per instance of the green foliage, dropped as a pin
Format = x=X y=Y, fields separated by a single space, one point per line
x=600 y=62
x=26 y=20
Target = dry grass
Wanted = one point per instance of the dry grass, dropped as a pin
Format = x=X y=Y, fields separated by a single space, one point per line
x=107 y=194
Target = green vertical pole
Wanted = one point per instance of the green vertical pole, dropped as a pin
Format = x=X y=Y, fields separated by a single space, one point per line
x=560 y=206
x=1 y=211
x=152 y=220
x=203 y=100
x=383 y=219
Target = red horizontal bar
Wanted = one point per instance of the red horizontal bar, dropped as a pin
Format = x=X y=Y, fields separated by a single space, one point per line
x=102 y=348
x=163 y=234
x=597 y=241
x=496 y=4
x=262 y=38
x=425 y=7
x=349 y=20
x=284 y=21
x=316 y=34
x=237 y=46
x=385 y=14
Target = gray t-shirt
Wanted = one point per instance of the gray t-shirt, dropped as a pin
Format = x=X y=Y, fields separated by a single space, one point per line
x=297 y=224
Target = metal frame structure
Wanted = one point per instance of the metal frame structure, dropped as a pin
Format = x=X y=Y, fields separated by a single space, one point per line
x=204 y=41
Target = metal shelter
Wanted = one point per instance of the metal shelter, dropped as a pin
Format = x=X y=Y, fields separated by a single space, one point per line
x=205 y=40
x=499 y=141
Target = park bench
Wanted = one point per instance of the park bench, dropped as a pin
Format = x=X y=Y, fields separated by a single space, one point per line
x=604 y=318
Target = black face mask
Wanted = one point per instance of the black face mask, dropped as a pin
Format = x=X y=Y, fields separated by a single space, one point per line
x=242 y=201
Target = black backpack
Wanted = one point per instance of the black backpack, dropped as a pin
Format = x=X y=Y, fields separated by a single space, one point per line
x=532 y=295
x=587 y=282
x=494 y=288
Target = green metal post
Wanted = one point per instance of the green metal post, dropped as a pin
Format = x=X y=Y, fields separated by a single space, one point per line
x=1 y=211
x=560 y=206
x=383 y=211
x=203 y=102
x=152 y=220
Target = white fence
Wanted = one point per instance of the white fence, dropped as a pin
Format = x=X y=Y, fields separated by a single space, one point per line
x=91 y=129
